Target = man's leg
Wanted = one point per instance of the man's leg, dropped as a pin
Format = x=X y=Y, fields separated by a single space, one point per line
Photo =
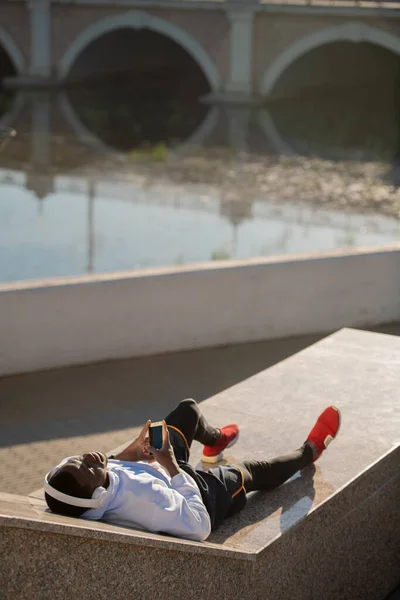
x=239 y=479
x=268 y=475
x=187 y=420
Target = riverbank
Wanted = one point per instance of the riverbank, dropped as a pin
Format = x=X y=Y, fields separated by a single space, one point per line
x=346 y=185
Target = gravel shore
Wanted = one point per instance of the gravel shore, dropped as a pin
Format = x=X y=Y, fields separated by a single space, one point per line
x=346 y=185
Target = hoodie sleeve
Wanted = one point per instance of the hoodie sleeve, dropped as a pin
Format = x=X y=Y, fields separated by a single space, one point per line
x=177 y=510
x=193 y=508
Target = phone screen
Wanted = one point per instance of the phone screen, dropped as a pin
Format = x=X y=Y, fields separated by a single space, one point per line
x=155 y=435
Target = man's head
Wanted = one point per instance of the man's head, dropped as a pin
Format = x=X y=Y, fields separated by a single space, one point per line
x=77 y=477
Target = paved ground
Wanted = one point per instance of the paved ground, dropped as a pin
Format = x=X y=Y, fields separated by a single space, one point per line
x=46 y=416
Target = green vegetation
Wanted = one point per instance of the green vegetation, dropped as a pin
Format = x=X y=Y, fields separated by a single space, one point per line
x=220 y=254
x=157 y=153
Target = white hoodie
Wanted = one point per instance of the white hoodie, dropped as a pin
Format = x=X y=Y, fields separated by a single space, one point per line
x=144 y=496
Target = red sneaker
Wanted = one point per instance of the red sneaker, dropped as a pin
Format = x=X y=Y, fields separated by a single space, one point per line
x=325 y=429
x=229 y=437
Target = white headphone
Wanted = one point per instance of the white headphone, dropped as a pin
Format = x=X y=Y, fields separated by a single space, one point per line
x=98 y=499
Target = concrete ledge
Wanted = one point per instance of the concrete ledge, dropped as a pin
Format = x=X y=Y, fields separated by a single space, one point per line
x=332 y=533
x=381 y=477
x=334 y=526
x=68 y=321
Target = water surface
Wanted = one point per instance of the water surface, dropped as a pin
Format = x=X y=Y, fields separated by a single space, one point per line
x=65 y=210
x=94 y=226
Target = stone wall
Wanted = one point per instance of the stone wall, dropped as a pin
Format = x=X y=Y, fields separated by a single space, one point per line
x=54 y=323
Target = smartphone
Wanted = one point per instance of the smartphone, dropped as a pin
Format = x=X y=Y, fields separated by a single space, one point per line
x=156 y=435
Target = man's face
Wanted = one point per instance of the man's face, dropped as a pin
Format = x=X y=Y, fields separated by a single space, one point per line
x=89 y=470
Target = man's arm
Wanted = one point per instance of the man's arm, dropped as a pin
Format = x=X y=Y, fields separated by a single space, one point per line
x=194 y=519
x=178 y=510
x=148 y=503
x=137 y=450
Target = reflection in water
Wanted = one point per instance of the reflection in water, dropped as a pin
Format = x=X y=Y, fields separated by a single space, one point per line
x=340 y=101
x=351 y=123
x=141 y=88
x=355 y=124
x=348 y=124
x=89 y=225
x=54 y=223
x=6 y=96
x=6 y=102
x=6 y=135
x=124 y=120
x=138 y=89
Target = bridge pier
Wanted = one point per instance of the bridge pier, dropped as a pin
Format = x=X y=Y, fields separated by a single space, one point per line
x=41 y=131
x=39 y=72
x=241 y=51
x=239 y=87
x=39 y=178
x=238 y=119
x=40 y=38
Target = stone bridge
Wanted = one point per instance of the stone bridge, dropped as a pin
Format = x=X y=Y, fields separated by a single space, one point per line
x=243 y=48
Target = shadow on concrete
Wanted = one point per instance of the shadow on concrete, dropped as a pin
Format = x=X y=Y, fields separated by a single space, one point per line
x=49 y=415
x=113 y=395
x=291 y=502
x=116 y=395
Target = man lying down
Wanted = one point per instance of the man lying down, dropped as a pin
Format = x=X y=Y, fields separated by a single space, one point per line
x=156 y=489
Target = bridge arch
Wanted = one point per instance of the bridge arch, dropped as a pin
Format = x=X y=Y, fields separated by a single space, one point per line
x=141 y=20
x=12 y=50
x=203 y=131
x=350 y=32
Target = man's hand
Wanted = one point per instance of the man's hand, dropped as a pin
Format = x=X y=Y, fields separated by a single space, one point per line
x=165 y=456
x=138 y=449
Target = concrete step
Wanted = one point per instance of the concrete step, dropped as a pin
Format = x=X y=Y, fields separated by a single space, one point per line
x=332 y=532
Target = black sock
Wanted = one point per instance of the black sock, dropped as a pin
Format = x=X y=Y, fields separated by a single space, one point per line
x=205 y=434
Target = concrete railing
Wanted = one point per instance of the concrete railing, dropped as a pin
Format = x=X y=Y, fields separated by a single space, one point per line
x=52 y=323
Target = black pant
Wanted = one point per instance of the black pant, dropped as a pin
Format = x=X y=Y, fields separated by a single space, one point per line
x=187 y=418
x=186 y=423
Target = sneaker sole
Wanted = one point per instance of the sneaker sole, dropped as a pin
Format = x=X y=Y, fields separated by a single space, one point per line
x=218 y=457
x=340 y=421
